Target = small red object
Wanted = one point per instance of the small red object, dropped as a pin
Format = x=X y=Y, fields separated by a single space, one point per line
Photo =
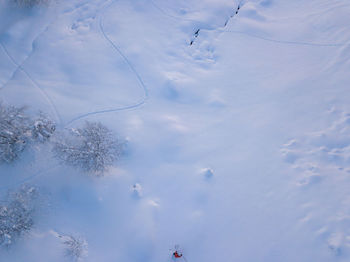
x=177 y=255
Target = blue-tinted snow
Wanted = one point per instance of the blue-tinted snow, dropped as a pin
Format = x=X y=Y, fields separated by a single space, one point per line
x=261 y=102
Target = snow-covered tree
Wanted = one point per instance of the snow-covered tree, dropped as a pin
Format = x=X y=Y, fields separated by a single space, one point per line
x=93 y=148
x=16 y=215
x=29 y=3
x=75 y=247
x=14 y=132
x=43 y=128
x=17 y=130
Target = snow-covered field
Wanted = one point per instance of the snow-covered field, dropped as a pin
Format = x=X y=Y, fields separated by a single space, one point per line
x=238 y=144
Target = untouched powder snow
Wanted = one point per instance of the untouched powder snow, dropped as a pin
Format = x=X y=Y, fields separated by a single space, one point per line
x=238 y=144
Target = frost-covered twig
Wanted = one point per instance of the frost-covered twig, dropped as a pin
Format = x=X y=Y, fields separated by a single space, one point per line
x=76 y=248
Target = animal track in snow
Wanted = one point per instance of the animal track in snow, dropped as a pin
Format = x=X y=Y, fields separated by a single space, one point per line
x=322 y=158
x=324 y=151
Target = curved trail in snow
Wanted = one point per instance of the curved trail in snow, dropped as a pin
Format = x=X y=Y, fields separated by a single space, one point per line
x=286 y=42
x=131 y=67
x=138 y=104
x=19 y=67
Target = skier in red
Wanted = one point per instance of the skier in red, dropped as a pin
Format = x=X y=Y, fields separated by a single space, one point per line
x=176 y=254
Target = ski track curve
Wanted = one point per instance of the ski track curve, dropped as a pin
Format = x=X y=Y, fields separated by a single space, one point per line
x=45 y=95
x=133 y=106
x=131 y=67
x=20 y=67
x=286 y=42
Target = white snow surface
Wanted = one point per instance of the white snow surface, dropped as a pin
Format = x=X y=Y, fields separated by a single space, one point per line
x=262 y=104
